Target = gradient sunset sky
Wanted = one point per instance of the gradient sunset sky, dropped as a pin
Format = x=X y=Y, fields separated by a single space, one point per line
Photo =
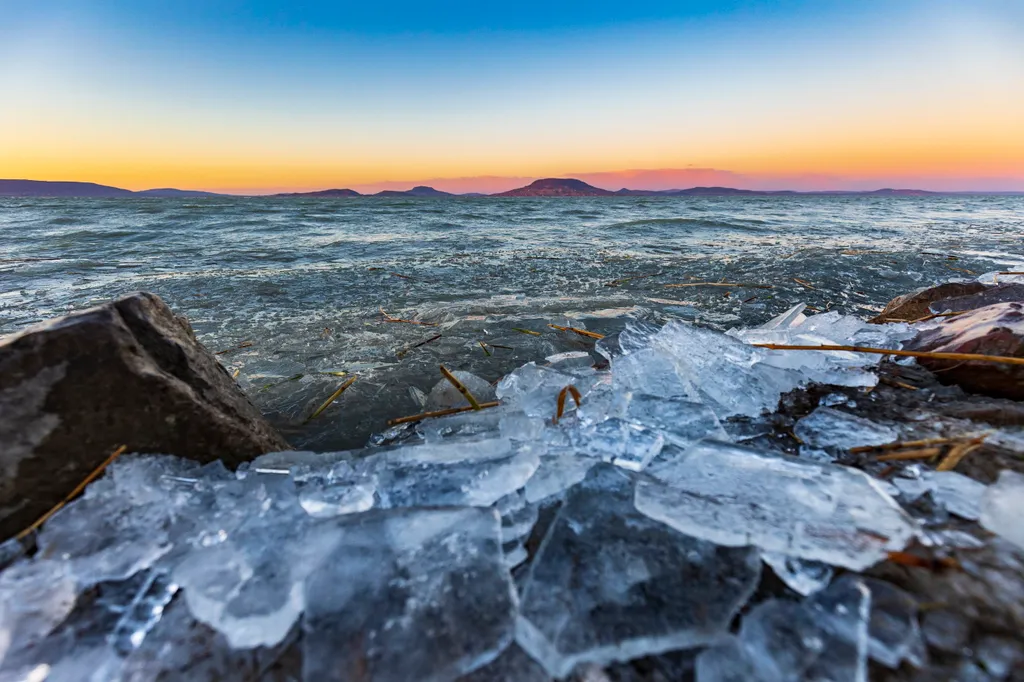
x=259 y=96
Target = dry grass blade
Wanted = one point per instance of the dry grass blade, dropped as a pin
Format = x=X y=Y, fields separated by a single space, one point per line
x=898 y=384
x=473 y=402
x=440 y=413
x=483 y=346
x=805 y=285
x=498 y=345
x=402 y=353
x=525 y=331
x=581 y=332
x=334 y=396
x=720 y=284
x=93 y=475
x=958 y=452
x=963 y=270
x=923 y=453
x=908 y=559
x=236 y=373
x=966 y=357
x=389 y=318
x=570 y=389
x=1010 y=273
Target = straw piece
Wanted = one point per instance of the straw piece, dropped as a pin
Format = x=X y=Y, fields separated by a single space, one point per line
x=804 y=284
x=1010 y=273
x=236 y=373
x=473 y=402
x=244 y=344
x=334 y=396
x=93 y=475
x=958 y=452
x=720 y=284
x=906 y=444
x=570 y=389
x=389 y=318
x=923 y=453
x=898 y=384
x=440 y=413
x=908 y=559
x=525 y=331
x=617 y=282
x=484 y=347
x=498 y=345
x=966 y=357
x=581 y=332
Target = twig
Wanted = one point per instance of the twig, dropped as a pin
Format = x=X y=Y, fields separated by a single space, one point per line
x=966 y=357
x=805 y=285
x=93 y=475
x=720 y=284
x=388 y=318
x=334 y=396
x=461 y=388
x=581 y=332
x=570 y=389
x=440 y=413
x=525 y=331
x=923 y=453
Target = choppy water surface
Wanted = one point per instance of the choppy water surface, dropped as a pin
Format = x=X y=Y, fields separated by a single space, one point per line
x=303 y=281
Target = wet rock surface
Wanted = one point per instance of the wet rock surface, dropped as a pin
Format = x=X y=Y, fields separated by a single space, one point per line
x=993 y=330
x=126 y=373
x=914 y=306
x=999 y=293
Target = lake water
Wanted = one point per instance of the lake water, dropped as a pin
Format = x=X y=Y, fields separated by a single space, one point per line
x=300 y=283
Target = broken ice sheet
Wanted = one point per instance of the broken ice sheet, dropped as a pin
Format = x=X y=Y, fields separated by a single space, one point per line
x=736 y=496
x=957 y=494
x=826 y=427
x=35 y=597
x=617 y=441
x=609 y=584
x=409 y=594
x=894 y=634
x=444 y=395
x=513 y=665
x=1001 y=505
x=785 y=641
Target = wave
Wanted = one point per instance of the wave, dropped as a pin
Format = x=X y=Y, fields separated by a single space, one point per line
x=686 y=222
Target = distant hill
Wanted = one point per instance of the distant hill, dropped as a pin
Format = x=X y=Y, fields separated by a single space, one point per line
x=43 y=188
x=557 y=187
x=421 y=191
x=322 y=193
x=171 y=193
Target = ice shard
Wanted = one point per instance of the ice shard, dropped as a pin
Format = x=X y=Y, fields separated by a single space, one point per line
x=736 y=496
x=802 y=576
x=826 y=428
x=409 y=594
x=609 y=584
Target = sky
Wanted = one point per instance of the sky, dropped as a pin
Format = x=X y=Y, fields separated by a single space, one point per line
x=254 y=96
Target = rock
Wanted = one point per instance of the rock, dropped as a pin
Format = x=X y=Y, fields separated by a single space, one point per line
x=1000 y=293
x=914 y=306
x=126 y=373
x=994 y=330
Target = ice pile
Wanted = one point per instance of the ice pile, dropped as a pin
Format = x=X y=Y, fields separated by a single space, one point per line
x=498 y=545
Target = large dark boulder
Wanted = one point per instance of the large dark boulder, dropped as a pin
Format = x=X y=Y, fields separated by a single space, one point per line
x=914 y=306
x=126 y=373
x=994 y=330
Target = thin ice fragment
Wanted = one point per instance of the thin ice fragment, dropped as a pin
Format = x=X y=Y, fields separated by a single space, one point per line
x=735 y=496
x=609 y=584
x=893 y=631
x=409 y=595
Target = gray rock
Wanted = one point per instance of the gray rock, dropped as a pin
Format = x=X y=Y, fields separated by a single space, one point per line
x=126 y=373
